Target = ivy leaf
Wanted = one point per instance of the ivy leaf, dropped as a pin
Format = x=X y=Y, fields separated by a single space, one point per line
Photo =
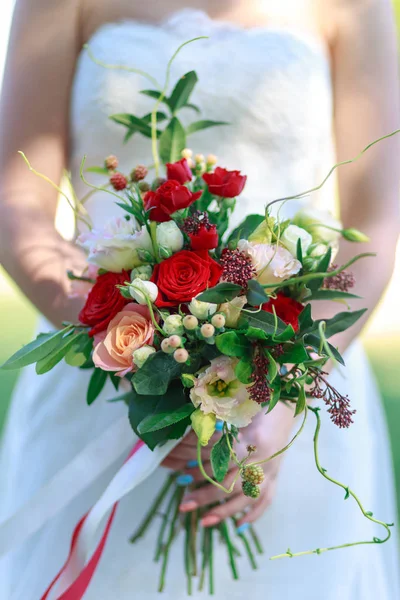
x=182 y=91
x=223 y=292
x=233 y=344
x=167 y=410
x=245 y=228
x=204 y=124
x=220 y=457
x=256 y=294
x=36 y=350
x=172 y=141
x=156 y=374
x=96 y=384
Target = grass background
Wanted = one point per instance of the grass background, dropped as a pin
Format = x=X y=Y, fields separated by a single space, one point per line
x=382 y=341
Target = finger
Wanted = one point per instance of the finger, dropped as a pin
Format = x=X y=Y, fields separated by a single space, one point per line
x=225 y=510
x=171 y=463
x=208 y=494
x=197 y=474
x=260 y=505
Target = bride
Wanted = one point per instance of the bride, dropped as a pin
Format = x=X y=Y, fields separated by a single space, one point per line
x=290 y=76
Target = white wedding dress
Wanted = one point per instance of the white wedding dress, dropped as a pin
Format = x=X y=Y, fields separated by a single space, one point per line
x=274 y=87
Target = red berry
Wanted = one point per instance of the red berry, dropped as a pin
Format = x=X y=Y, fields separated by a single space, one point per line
x=118 y=181
x=139 y=173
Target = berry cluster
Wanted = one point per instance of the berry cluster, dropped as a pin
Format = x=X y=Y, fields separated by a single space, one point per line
x=237 y=267
x=252 y=477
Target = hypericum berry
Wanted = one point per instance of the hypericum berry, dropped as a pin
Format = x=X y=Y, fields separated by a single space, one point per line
x=181 y=355
x=174 y=341
x=118 y=181
x=253 y=474
x=111 y=162
x=144 y=186
x=218 y=321
x=207 y=330
x=166 y=347
x=187 y=153
x=190 y=322
x=199 y=158
x=139 y=173
x=250 y=490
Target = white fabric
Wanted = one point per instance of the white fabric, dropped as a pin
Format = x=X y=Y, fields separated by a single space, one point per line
x=274 y=87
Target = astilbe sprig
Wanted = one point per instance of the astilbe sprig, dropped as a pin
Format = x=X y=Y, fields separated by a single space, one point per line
x=342 y=281
x=259 y=390
x=339 y=405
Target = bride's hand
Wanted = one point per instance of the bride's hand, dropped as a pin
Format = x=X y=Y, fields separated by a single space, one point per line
x=269 y=433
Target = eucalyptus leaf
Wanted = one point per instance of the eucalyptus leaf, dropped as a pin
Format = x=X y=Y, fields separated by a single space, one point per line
x=223 y=292
x=96 y=384
x=36 y=350
x=193 y=107
x=182 y=91
x=220 y=457
x=204 y=124
x=155 y=94
x=160 y=116
x=172 y=141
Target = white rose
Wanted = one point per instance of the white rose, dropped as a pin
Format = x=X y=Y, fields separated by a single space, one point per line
x=290 y=237
x=114 y=247
x=173 y=325
x=310 y=218
x=142 y=354
x=169 y=236
x=143 y=291
x=202 y=310
x=273 y=264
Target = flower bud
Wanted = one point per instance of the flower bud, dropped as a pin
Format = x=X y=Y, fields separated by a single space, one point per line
x=166 y=347
x=139 y=173
x=187 y=153
x=181 y=355
x=207 y=330
x=202 y=310
x=143 y=272
x=145 y=255
x=143 y=291
x=111 y=162
x=190 y=322
x=169 y=236
x=173 y=325
x=199 y=158
x=144 y=186
x=211 y=160
x=354 y=235
x=218 y=321
x=317 y=250
x=164 y=252
x=175 y=341
x=141 y=355
x=290 y=237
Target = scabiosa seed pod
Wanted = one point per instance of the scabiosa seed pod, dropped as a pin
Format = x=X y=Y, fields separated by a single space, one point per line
x=139 y=173
x=253 y=474
x=144 y=186
x=111 y=162
x=250 y=490
x=118 y=181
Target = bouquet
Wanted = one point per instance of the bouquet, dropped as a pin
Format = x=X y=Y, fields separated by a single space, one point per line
x=207 y=328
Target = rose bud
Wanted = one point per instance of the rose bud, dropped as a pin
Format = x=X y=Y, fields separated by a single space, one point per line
x=207 y=330
x=167 y=199
x=179 y=171
x=181 y=355
x=190 y=322
x=143 y=291
x=224 y=183
x=206 y=238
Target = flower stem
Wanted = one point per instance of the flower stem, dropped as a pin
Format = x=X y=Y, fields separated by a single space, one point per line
x=163 y=527
x=171 y=534
x=188 y=555
x=246 y=545
x=223 y=527
x=210 y=562
x=205 y=552
x=256 y=540
x=152 y=512
x=349 y=492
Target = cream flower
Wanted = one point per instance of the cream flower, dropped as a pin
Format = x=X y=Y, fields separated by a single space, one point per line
x=217 y=391
x=290 y=237
x=310 y=218
x=273 y=264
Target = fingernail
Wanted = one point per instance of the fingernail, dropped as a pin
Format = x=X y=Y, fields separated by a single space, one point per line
x=184 y=480
x=192 y=463
x=210 y=521
x=219 y=426
x=242 y=528
x=188 y=505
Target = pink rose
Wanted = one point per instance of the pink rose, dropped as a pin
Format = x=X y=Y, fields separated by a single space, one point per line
x=129 y=330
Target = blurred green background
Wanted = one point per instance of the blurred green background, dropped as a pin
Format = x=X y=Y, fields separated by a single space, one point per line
x=382 y=339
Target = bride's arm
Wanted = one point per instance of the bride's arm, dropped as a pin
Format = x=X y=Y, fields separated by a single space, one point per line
x=366 y=89
x=34 y=118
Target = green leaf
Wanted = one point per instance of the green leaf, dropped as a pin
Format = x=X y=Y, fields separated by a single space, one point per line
x=245 y=228
x=294 y=353
x=299 y=251
x=330 y=295
x=160 y=116
x=204 y=124
x=172 y=141
x=265 y=321
x=98 y=170
x=256 y=294
x=275 y=394
x=167 y=410
x=340 y=322
x=182 y=91
x=193 y=107
x=223 y=292
x=314 y=341
x=139 y=408
x=285 y=335
x=253 y=333
x=301 y=402
x=96 y=384
x=155 y=94
x=36 y=350
x=132 y=123
x=203 y=425
x=233 y=344
x=115 y=380
x=322 y=267
x=220 y=458
x=243 y=370
x=156 y=374
x=305 y=320
x=272 y=368
x=51 y=360
x=80 y=351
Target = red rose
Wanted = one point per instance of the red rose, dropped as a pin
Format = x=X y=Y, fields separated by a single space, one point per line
x=286 y=309
x=167 y=199
x=179 y=171
x=104 y=301
x=205 y=238
x=227 y=184
x=183 y=276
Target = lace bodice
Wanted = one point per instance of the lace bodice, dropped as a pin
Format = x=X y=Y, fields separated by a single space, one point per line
x=272 y=85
